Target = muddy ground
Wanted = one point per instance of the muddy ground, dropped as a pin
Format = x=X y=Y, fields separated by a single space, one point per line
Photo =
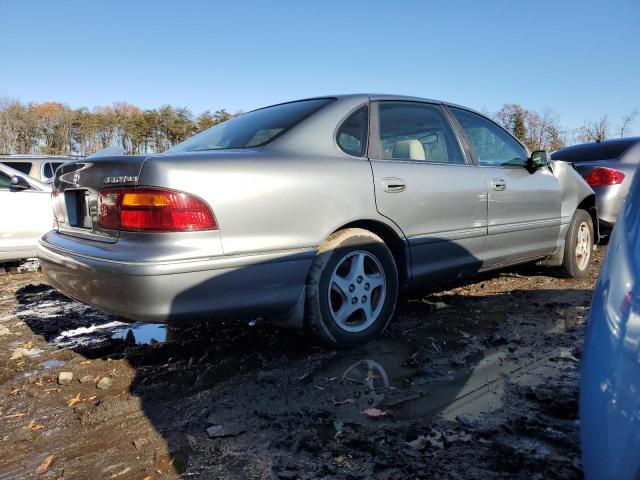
x=479 y=380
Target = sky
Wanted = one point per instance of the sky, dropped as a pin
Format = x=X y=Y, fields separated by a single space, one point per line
x=579 y=58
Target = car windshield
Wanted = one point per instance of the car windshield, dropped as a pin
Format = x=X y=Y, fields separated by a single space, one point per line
x=252 y=129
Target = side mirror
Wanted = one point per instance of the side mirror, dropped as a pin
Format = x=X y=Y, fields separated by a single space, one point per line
x=539 y=158
x=19 y=183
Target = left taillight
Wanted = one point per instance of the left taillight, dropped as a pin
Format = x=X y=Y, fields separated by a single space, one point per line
x=153 y=209
x=604 y=177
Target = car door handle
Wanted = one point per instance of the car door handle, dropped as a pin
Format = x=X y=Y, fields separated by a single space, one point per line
x=498 y=184
x=393 y=185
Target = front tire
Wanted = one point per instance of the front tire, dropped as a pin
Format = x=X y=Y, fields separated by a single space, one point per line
x=578 y=246
x=352 y=289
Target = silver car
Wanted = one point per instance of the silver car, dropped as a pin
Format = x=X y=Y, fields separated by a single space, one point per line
x=607 y=167
x=313 y=213
x=25 y=214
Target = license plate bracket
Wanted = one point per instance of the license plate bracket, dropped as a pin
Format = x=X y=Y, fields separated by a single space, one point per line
x=77 y=203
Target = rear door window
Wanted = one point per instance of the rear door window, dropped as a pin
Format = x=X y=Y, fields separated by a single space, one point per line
x=417 y=131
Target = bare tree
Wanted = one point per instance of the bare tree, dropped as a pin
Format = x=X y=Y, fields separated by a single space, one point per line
x=592 y=131
x=627 y=121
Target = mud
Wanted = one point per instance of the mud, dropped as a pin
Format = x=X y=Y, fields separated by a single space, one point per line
x=478 y=380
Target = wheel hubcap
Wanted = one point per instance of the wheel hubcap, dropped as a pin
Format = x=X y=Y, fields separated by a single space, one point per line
x=583 y=246
x=357 y=291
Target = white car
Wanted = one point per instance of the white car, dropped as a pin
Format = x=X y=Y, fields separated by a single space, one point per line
x=26 y=213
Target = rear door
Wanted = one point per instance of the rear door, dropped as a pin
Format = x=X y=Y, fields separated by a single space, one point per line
x=524 y=206
x=424 y=184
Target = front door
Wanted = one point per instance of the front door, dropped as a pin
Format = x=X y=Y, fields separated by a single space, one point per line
x=424 y=184
x=524 y=206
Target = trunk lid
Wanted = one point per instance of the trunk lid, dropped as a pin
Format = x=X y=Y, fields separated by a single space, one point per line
x=76 y=186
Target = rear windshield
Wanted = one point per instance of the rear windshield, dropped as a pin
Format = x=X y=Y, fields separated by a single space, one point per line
x=591 y=152
x=24 y=167
x=252 y=129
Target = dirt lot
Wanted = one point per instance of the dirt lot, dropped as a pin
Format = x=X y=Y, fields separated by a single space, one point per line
x=476 y=381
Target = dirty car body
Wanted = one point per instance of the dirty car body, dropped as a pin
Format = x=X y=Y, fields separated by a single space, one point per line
x=441 y=190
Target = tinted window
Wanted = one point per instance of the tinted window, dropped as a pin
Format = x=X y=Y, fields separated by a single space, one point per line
x=47 y=170
x=252 y=129
x=592 y=151
x=492 y=145
x=352 y=135
x=5 y=180
x=24 y=167
x=50 y=168
x=417 y=131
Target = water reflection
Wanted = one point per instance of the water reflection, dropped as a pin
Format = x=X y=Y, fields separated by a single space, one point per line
x=142 y=333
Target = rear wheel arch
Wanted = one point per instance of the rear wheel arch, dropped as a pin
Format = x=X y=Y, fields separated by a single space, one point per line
x=392 y=239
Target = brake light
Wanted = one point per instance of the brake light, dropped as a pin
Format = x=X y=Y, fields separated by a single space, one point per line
x=153 y=209
x=603 y=176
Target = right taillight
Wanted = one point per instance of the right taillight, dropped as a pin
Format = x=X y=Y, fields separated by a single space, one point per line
x=603 y=176
x=153 y=209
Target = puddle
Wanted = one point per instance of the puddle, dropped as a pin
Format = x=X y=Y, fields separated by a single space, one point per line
x=142 y=333
x=53 y=363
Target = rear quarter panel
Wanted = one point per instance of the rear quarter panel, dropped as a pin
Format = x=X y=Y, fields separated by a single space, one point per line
x=269 y=199
x=574 y=190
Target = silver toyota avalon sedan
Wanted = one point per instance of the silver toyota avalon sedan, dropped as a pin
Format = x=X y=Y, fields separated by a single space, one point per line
x=313 y=213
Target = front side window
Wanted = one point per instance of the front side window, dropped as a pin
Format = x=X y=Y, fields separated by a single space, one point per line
x=493 y=146
x=417 y=131
x=252 y=129
x=352 y=134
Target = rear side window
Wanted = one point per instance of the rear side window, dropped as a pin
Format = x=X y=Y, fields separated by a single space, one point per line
x=352 y=134
x=24 y=167
x=493 y=145
x=50 y=168
x=47 y=170
x=417 y=131
x=252 y=129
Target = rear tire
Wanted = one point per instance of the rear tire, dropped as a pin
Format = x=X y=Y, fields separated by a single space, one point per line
x=351 y=290
x=578 y=246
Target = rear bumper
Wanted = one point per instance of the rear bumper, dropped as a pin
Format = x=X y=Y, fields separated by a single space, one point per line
x=263 y=285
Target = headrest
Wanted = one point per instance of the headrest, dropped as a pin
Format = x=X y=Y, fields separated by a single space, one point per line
x=409 y=149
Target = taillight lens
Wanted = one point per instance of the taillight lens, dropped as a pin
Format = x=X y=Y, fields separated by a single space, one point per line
x=153 y=209
x=603 y=176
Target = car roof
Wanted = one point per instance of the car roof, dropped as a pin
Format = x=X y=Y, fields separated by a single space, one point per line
x=36 y=156
x=364 y=97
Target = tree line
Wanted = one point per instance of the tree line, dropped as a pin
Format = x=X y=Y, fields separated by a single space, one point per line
x=55 y=128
